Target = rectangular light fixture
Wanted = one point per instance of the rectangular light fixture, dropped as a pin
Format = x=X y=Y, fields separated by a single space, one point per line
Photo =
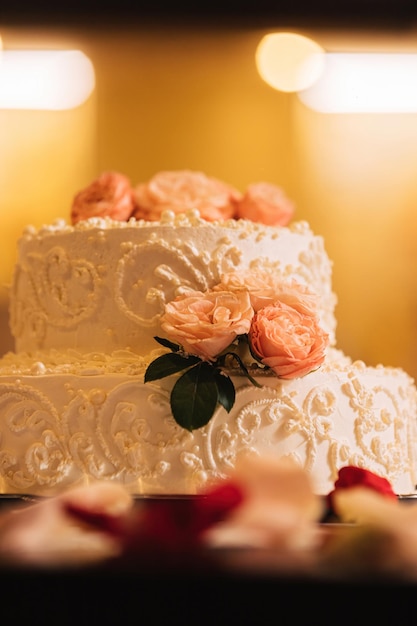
x=44 y=79
x=364 y=83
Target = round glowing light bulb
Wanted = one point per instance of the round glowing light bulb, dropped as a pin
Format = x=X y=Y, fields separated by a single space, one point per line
x=289 y=62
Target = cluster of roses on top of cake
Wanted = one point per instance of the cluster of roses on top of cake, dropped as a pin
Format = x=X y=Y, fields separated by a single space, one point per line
x=112 y=195
x=248 y=314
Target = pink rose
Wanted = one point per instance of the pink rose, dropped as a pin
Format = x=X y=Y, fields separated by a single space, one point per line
x=205 y=324
x=180 y=191
x=110 y=195
x=288 y=341
x=266 y=287
x=265 y=203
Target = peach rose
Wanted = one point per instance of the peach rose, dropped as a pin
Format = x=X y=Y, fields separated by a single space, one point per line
x=265 y=203
x=291 y=343
x=110 y=195
x=182 y=190
x=205 y=324
x=266 y=287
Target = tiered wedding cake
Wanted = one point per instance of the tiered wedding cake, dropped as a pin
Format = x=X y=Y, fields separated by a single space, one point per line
x=165 y=330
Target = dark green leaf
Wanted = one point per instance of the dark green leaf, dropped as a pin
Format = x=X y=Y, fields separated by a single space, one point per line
x=243 y=368
x=226 y=390
x=194 y=396
x=168 y=344
x=168 y=364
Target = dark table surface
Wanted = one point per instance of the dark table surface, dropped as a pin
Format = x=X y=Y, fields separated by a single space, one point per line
x=231 y=587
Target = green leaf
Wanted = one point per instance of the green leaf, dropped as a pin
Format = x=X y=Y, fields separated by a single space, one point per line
x=168 y=364
x=226 y=390
x=194 y=396
x=243 y=368
x=168 y=344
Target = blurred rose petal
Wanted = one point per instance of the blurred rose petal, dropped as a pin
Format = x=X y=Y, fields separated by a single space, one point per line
x=45 y=533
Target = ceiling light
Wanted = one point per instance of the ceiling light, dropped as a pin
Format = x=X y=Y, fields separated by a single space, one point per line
x=288 y=61
x=44 y=79
x=364 y=83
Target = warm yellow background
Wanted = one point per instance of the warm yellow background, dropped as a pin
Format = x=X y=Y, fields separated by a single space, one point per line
x=177 y=98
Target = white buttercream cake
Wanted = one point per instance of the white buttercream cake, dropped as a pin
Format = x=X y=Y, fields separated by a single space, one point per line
x=89 y=311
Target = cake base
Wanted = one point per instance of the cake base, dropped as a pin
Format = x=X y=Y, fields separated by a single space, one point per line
x=63 y=429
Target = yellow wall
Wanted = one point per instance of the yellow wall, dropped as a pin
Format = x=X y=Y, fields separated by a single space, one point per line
x=172 y=99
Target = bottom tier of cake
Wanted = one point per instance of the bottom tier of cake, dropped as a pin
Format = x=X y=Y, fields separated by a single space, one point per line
x=67 y=420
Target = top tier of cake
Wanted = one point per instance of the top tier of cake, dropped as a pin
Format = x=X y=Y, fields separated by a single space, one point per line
x=101 y=285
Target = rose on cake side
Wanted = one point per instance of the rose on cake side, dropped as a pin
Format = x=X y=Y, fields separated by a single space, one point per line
x=112 y=195
x=212 y=332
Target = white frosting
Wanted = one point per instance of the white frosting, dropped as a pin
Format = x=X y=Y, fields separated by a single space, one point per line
x=85 y=306
x=60 y=428
x=101 y=285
